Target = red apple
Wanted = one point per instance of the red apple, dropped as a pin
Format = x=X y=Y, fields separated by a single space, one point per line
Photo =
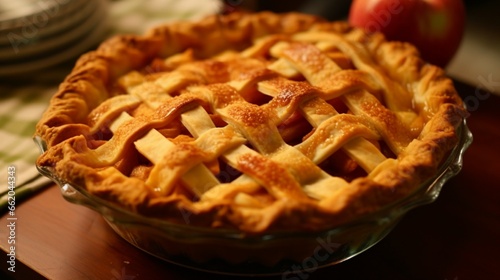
x=435 y=27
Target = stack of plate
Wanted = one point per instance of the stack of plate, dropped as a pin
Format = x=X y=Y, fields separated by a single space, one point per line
x=37 y=34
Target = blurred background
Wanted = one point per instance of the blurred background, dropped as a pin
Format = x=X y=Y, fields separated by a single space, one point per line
x=38 y=35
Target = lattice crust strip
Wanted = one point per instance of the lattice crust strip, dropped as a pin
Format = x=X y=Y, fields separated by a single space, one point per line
x=295 y=172
x=220 y=132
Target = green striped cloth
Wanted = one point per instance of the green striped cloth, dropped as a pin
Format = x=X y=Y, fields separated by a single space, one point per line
x=20 y=110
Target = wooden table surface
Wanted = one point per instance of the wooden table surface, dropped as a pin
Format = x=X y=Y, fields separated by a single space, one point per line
x=455 y=238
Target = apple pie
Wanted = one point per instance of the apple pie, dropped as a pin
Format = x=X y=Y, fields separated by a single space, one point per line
x=255 y=122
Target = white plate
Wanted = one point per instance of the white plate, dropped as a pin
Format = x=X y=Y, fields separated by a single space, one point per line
x=13 y=14
x=45 y=23
x=95 y=33
x=21 y=51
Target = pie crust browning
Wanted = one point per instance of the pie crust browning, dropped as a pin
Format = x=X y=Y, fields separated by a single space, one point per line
x=257 y=122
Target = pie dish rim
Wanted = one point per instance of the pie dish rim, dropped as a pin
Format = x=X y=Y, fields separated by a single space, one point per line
x=374 y=227
x=80 y=64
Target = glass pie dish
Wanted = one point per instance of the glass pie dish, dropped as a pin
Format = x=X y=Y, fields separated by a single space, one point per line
x=228 y=251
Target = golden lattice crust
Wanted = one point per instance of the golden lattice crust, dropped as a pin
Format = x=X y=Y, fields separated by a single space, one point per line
x=251 y=121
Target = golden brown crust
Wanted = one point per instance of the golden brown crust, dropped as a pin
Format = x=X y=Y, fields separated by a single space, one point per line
x=391 y=96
